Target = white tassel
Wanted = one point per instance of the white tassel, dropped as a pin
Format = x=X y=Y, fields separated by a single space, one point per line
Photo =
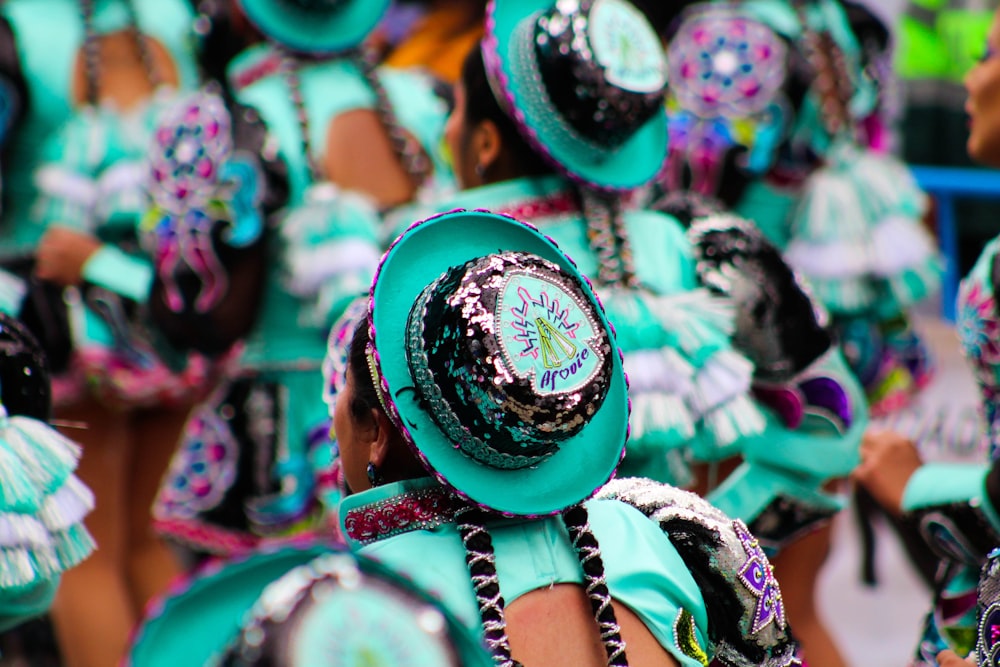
x=22 y=530
x=662 y=370
x=17 y=493
x=71 y=547
x=726 y=377
x=17 y=568
x=900 y=244
x=658 y=417
x=67 y=506
x=47 y=456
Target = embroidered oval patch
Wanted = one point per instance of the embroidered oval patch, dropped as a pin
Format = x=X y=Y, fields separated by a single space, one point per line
x=627 y=47
x=546 y=335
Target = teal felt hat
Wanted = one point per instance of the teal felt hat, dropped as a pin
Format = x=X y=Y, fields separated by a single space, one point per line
x=584 y=80
x=200 y=615
x=494 y=358
x=342 y=610
x=315 y=26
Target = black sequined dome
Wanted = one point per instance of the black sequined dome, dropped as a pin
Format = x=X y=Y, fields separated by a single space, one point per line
x=24 y=372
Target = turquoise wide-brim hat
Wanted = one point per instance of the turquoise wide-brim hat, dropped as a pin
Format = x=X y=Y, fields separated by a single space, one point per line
x=344 y=609
x=201 y=615
x=582 y=462
x=315 y=26
x=518 y=86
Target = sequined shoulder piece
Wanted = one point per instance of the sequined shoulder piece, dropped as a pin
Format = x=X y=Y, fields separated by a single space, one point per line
x=781 y=327
x=727 y=562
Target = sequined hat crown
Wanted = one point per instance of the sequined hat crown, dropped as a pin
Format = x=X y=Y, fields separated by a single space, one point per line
x=24 y=373
x=508 y=354
x=582 y=78
x=493 y=357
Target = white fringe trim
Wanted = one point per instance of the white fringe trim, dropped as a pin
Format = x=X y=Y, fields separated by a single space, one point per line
x=662 y=370
x=725 y=378
x=310 y=268
x=22 y=530
x=60 y=183
x=835 y=260
x=900 y=244
x=658 y=412
x=68 y=506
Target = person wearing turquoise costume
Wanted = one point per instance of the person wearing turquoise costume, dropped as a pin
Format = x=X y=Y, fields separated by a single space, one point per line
x=90 y=197
x=42 y=503
x=485 y=402
x=956 y=506
x=528 y=140
x=727 y=69
x=793 y=140
x=353 y=139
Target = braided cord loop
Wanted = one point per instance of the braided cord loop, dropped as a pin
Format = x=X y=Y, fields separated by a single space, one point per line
x=481 y=561
x=408 y=151
x=589 y=553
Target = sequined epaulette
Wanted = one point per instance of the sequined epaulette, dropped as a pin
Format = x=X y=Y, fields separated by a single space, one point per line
x=730 y=568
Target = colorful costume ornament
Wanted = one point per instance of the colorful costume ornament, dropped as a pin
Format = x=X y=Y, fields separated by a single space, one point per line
x=815 y=408
x=954 y=505
x=505 y=316
x=772 y=92
x=42 y=503
x=988 y=613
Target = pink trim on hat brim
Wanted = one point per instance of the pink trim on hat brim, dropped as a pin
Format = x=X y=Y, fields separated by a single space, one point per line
x=390 y=404
x=499 y=82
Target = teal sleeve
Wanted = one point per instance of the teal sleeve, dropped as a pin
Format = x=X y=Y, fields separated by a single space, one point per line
x=752 y=487
x=119 y=272
x=936 y=484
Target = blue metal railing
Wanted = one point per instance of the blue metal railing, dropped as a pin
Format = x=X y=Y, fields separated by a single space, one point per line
x=947 y=184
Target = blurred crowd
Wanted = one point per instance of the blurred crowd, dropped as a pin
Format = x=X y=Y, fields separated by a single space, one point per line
x=358 y=332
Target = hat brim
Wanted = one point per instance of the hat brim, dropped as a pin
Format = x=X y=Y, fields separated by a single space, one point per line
x=582 y=464
x=638 y=161
x=202 y=615
x=315 y=30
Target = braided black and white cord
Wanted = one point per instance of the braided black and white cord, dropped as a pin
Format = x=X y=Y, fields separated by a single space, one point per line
x=290 y=68
x=589 y=553
x=608 y=238
x=601 y=238
x=481 y=561
x=91 y=53
x=622 y=242
x=142 y=45
x=411 y=156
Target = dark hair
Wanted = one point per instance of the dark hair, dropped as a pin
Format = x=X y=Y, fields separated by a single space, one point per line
x=365 y=397
x=481 y=104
